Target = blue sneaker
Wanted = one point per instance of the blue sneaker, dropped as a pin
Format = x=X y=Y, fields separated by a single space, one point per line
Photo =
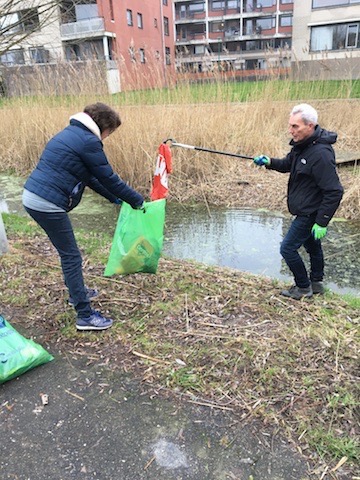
x=91 y=293
x=95 y=322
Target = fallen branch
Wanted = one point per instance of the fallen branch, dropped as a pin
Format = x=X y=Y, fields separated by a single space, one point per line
x=152 y=359
x=75 y=395
x=211 y=405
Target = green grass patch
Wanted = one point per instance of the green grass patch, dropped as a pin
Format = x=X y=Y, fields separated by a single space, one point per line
x=326 y=443
x=209 y=92
x=16 y=225
x=244 y=91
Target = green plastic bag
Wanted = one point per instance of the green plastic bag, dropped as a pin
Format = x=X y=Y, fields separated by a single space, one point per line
x=17 y=353
x=138 y=239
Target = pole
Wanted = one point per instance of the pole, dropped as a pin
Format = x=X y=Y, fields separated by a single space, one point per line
x=163 y=53
x=201 y=149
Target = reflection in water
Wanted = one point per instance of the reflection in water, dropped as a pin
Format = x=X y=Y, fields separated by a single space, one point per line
x=243 y=239
x=250 y=240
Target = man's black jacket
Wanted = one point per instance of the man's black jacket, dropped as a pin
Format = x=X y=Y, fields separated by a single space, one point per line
x=314 y=186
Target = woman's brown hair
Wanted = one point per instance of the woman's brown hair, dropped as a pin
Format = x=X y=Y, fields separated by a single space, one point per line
x=104 y=116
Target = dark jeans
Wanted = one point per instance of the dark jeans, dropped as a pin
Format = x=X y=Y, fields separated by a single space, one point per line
x=59 y=230
x=300 y=234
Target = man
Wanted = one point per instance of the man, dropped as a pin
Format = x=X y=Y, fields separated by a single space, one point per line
x=314 y=194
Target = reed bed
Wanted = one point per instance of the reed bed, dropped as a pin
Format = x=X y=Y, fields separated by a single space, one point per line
x=246 y=117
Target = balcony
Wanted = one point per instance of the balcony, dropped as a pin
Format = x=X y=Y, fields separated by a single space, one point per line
x=184 y=17
x=91 y=27
x=191 y=38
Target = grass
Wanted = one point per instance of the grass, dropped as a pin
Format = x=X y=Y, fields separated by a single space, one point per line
x=212 y=335
x=185 y=93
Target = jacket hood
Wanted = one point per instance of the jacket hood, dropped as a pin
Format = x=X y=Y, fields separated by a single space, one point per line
x=320 y=135
x=88 y=122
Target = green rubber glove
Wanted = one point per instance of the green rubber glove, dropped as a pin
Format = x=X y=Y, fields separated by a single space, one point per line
x=318 y=231
x=262 y=160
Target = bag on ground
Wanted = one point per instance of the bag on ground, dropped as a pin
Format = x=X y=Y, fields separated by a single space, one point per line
x=138 y=239
x=17 y=353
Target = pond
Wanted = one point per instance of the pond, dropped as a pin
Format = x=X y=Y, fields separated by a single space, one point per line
x=243 y=239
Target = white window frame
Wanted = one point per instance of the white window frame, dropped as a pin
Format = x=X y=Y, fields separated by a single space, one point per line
x=356 y=25
x=139 y=20
x=129 y=17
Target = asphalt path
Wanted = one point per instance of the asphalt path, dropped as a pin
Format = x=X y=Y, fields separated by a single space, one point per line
x=100 y=424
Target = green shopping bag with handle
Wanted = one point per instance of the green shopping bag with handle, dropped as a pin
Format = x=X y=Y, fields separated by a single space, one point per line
x=138 y=239
x=17 y=353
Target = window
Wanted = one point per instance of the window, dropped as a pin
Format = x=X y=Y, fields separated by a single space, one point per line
x=286 y=20
x=335 y=37
x=22 y=21
x=217 y=26
x=165 y=2
x=199 y=49
x=139 y=20
x=13 y=57
x=332 y=3
x=352 y=37
x=193 y=8
x=92 y=49
x=142 y=55
x=85 y=11
x=129 y=18
x=217 y=4
x=265 y=3
x=39 y=55
x=111 y=8
x=222 y=4
x=167 y=56
x=283 y=2
x=265 y=23
x=9 y=24
x=29 y=19
x=166 y=26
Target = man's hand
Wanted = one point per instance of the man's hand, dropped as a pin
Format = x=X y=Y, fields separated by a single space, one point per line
x=318 y=231
x=262 y=160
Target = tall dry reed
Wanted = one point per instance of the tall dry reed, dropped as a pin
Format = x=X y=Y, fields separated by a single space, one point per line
x=250 y=128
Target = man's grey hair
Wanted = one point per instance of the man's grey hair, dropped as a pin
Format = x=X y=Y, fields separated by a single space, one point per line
x=308 y=113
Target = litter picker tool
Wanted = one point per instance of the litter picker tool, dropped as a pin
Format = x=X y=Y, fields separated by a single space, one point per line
x=202 y=149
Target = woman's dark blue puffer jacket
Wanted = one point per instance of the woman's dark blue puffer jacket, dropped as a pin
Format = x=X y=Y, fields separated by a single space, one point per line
x=72 y=160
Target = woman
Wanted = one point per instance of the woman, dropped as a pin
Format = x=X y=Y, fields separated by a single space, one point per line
x=72 y=160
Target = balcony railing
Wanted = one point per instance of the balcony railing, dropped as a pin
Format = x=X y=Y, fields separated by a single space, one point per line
x=83 y=27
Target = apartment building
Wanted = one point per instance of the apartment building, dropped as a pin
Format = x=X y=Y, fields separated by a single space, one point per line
x=326 y=39
x=133 y=38
x=240 y=36
x=144 y=46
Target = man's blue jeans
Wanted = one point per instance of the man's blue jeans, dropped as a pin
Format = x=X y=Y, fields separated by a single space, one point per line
x=300 y=234
x=58 y=227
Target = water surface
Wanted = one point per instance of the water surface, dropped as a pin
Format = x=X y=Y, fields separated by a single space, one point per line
x=244 y=239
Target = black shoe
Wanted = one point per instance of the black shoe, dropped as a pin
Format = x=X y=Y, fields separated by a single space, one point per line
x=297 y=293
x=318 y=287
